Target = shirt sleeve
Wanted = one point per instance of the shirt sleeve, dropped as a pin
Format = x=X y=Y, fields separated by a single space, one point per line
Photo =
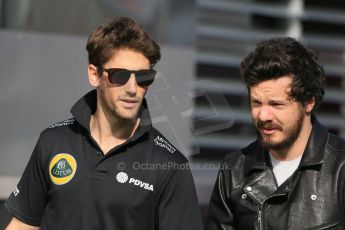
x=178 y=206
x=220 y=216
x=27 y=201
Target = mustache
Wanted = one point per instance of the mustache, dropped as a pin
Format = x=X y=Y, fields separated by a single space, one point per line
x=267 y=125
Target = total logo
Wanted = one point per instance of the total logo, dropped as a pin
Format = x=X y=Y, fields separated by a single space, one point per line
x=122 y=178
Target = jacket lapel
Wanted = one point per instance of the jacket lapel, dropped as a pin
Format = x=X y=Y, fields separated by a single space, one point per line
x=261 y=183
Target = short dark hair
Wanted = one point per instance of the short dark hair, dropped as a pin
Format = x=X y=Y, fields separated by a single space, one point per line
x=122 y=32
x=284 y=56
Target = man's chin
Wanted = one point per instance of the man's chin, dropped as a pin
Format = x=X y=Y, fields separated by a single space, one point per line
x=276 y=145
x=270 y=143
x=128 y=115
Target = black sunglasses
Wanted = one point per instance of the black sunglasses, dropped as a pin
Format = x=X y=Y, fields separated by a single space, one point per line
x=118 y=76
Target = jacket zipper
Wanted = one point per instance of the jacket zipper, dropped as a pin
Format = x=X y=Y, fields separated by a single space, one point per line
x=260 y=216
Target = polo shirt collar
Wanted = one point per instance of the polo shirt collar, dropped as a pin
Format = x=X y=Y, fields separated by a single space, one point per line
x=86 y=106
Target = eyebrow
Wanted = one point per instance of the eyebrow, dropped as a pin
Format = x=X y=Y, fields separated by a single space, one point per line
x=271 y=101
x=277 y=102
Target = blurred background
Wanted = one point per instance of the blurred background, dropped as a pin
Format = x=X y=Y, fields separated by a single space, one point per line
x=198 y=100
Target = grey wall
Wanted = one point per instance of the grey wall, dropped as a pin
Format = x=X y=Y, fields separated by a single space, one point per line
x=41 y=77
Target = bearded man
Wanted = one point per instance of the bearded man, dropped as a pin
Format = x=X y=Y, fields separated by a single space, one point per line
x=293 y=175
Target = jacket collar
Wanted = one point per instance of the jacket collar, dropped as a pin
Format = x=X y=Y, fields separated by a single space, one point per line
x=257 y=156
x=87 y=105
x=315 y=149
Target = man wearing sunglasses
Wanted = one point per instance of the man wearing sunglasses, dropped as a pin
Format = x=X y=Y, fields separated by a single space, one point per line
x=107 y=167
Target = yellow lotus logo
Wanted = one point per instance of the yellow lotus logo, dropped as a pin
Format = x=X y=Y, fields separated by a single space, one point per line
x=62 y=168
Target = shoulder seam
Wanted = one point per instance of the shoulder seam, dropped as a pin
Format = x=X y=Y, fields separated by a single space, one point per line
x=330 y=144
x=233 y=155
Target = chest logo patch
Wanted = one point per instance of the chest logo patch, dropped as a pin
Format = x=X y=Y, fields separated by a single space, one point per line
x=123 y=177
x=62 y=168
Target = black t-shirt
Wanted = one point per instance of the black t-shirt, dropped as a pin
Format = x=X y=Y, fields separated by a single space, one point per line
x=69 y=183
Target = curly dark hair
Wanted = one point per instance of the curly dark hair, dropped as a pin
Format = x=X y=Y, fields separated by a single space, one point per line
x=284 y=56
x=122 y=32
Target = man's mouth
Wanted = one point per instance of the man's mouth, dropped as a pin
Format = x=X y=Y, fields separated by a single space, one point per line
x=129 y=103
x=268 y=128
x=268 y=131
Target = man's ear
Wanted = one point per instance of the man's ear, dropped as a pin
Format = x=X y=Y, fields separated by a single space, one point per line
x=94 y=78
x=310 y=105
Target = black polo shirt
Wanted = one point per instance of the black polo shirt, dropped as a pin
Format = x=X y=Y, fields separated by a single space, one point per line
x=70 y=184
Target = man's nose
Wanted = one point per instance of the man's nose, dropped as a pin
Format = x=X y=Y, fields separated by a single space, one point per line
x=131 y=85
x=265 y=114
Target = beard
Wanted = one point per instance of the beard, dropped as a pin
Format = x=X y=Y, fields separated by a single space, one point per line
x=113 y=109
x=290 y=133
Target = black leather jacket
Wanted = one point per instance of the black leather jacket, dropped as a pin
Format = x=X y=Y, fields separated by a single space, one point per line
x=246 y=195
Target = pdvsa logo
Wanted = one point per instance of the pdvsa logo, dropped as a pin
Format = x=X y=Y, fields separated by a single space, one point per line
x=122 y=178
x=62 y=168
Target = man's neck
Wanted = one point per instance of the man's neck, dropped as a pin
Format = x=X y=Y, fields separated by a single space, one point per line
x=298 y=147
x=110 y=131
